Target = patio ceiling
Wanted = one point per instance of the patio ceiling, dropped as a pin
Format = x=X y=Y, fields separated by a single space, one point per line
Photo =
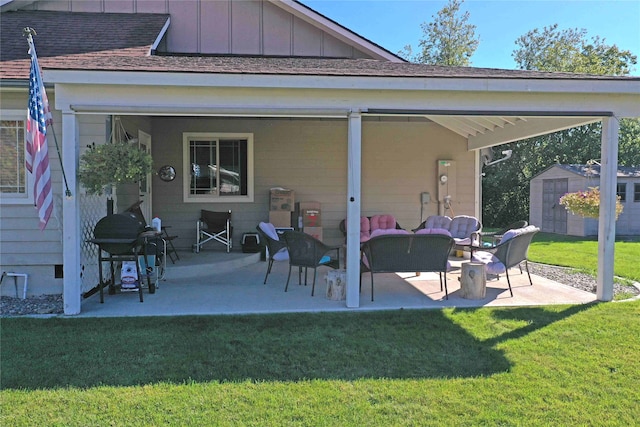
x=468 y=126
x=487 y=130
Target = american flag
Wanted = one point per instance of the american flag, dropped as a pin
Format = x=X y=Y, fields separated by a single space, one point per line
x=37 y=152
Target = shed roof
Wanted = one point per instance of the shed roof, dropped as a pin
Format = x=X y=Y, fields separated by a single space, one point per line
x=593 y=171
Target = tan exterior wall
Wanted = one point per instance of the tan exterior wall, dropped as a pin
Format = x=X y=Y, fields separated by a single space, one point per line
x=310 y=156
x=224 y=27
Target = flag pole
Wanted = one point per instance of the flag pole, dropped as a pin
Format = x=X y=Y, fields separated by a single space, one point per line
x=29 y=33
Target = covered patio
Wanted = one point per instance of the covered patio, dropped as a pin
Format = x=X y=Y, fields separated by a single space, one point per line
x=214 y=282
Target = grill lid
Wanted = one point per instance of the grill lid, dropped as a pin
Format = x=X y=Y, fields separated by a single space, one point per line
x=118 y=226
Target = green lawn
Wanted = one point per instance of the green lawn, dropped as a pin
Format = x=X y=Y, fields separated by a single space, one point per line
x=551 y=366
x=582 y=253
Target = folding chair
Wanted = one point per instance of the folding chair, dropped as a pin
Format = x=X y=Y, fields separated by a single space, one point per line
x=214 y=226
x=169 y=249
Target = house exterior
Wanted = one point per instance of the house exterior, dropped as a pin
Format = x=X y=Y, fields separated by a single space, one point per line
x=281 y=93
x=549 y=185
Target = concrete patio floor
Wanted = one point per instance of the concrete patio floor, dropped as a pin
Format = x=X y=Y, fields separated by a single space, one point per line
x=215 y=282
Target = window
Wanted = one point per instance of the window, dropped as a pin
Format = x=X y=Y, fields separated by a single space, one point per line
x=636 y=192
x=219 y=167
x=15 y=180
x=621 y=191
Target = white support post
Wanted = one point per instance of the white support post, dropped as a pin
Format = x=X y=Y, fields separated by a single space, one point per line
x=607 y=220
x=477 y=190
x=354 y=176
x=71 y=217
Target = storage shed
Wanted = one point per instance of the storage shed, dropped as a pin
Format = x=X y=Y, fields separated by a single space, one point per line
x=548 y=186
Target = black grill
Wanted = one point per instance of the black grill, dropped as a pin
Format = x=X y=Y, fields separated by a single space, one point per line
x=119 y=236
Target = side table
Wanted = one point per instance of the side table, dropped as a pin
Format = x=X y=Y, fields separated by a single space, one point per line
x=473 y=280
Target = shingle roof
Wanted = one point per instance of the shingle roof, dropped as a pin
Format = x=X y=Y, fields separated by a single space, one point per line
x=87 y=41
x=594 y=170
x=116 y=61
x=64 y=35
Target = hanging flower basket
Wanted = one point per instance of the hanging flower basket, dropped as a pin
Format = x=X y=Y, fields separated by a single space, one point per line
x=106 y=165
x=586 y=203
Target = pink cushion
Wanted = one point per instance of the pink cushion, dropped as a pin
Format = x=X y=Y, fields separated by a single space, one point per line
x=364 y=228
x=381 y=231
x=434 y=231
x=384 y=222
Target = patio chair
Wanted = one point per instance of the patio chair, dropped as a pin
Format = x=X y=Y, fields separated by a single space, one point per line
x=494 y=236
x=462 y=228
x=214 y=226
x=276 y=248
x=407 y=253
x=305 y=251
x=435 y=221
x=511 y=251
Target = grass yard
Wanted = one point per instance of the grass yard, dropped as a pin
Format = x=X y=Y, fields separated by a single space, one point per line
x=582 y=253
x=556 y=365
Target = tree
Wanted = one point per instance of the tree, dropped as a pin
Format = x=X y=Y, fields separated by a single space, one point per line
x=569 y=50
x=448 y=40
x=505 y=188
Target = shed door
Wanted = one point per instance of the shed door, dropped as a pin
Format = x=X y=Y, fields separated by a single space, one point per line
x=554 y=215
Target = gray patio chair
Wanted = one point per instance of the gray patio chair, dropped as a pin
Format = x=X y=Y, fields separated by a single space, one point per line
x=512 y=250
x=305 y=251
x=276 y=247
x=495 y=236
x=407 y=253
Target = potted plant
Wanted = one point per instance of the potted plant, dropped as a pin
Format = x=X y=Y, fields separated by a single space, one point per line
x=105 y=165
x=586 y=203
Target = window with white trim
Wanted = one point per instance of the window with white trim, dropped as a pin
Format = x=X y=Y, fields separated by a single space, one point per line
x=621 y=191
x=636 y=192
x=218 y=167
x=15 y=180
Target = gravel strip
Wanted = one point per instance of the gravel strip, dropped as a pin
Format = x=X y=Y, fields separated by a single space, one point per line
x=52 y=304
x=571 y=277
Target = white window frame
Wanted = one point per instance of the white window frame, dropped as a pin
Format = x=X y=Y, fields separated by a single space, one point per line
x=17 y=198
x=622 y=194
x=187 y=197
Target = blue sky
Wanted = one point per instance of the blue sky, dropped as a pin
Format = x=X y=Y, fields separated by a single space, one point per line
x=396 y=23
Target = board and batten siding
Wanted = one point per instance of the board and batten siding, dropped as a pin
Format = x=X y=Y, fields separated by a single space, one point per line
x=309 y=156
x=224 y=27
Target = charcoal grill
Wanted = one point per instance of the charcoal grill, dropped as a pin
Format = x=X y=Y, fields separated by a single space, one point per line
x=121 y=237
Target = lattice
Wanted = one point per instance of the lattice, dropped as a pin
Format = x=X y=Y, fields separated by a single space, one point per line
x=92 y=209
